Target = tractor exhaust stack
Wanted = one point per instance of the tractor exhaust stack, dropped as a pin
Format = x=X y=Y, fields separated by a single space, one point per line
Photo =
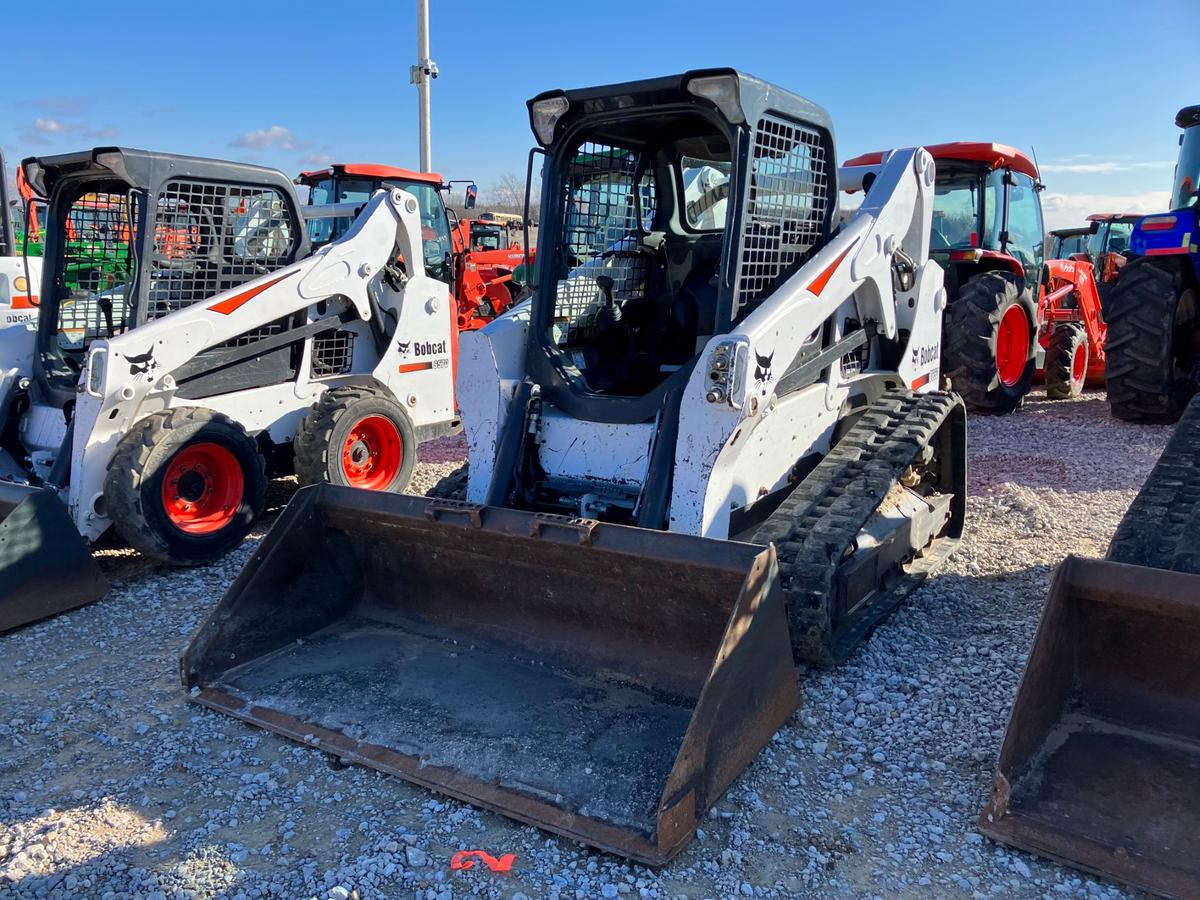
x=45 y=566
x=602 y=682
x=1100 y=765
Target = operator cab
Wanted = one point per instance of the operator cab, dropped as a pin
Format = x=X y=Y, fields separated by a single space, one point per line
x=671 y=209
x=1185 y=192
x=357 y=182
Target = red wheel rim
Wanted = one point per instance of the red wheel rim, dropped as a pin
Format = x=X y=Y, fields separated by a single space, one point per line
x=1079 y=364
x=372 y=453
x=203 y=488
x=1012 y=345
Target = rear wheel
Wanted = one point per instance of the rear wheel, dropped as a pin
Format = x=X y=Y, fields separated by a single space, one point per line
x=185 y=486
x=989 y=338
x=1152 y=315
x=1066 y=362
x=359 y=437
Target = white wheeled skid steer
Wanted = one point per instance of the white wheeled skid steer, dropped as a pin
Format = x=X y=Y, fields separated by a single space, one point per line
x=188 y=348
x=709 y=444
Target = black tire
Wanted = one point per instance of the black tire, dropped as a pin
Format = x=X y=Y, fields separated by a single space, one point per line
x=971 y=329
x=1151 y=310
x=328 y=433
x=452 y=486
x=209 y=451
x=1065 y=372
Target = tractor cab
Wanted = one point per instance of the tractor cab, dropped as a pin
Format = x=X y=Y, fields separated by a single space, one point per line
x=1108 y=244
x=357 y=182
x=1185 y=193
x=1067 y=242
x=487 y=236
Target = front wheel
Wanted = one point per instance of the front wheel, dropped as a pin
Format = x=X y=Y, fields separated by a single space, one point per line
x=185 y=486
x=359 y=437
x=1066 y=362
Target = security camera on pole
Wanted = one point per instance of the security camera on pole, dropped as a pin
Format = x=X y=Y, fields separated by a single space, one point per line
x=421 y=74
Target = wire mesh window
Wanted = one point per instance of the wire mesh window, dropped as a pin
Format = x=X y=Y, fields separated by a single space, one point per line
x=786 y=208
x=605 y=213
x=210 y=238
x=332 y=353
x=98 y=265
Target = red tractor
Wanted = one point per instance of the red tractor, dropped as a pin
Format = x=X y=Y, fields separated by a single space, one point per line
x=1071 y=297
x=988 y=236
x=482 y=280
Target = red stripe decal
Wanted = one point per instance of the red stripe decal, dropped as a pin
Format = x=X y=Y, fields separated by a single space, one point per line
x=1167 y=251
x=920 y=382
x=415 y=367
x=237 y=301
x=818 y=284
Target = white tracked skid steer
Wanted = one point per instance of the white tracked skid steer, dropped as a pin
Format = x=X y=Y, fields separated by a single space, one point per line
x=189 y=348
x=710 y=444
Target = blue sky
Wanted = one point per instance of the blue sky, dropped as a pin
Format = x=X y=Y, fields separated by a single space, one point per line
x=299 y=84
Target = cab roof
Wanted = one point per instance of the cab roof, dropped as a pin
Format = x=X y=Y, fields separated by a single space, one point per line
x=370 y=170
x=1188 y=116
x=998 y=156
x=1113 y=217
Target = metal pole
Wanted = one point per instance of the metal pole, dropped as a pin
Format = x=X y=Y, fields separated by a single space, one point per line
x=422 y=74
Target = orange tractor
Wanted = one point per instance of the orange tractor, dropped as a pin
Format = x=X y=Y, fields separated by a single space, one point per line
x=1072 y=330
x=486 y=279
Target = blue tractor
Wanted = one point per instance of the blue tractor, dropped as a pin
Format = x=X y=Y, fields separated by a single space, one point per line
x=1153 y=311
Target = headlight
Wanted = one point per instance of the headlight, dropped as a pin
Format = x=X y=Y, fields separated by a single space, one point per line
x=95 y=377
x=546 y=113
x=722 y=90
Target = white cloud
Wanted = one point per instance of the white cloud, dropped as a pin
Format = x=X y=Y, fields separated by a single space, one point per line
x=1098 y=168
x=265 y=138
x=49 y=126
x=1069 y=210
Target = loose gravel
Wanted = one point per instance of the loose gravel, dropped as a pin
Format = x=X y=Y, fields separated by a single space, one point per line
x=113 y=785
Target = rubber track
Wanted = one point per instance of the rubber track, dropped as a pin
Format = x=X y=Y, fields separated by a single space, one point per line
x=1138 y=345
x=816 y=526
x=452 y=486
x=1162 y=526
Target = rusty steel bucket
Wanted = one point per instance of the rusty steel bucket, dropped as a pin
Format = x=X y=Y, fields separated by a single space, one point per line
x=603 y=682
x=45 y=565
x=1100 y=765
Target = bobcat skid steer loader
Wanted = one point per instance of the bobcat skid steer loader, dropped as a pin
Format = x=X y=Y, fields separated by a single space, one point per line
x=1100 y=765
x=195 y=351
x=709 y=441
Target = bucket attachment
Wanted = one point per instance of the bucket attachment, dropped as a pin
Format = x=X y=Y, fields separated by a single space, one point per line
x=604 y=682
x=45 y=566
x=1100 y=765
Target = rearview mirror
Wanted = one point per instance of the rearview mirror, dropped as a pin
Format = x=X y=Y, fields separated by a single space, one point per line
x=469 y=199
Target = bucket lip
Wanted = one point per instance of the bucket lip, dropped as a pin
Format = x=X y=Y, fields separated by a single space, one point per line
x=611 y=838
x=1075 y=849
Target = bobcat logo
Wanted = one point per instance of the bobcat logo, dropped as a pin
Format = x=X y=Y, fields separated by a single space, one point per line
x=143 y=363
x=403 y=347
x=762 y=371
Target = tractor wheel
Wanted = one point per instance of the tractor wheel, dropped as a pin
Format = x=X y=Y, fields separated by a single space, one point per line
x=1152 y=314
x=990 y=340
x=1066 y=362
x=185 y=486
x=359 y=437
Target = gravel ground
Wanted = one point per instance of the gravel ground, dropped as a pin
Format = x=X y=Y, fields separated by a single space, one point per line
x=113 y=785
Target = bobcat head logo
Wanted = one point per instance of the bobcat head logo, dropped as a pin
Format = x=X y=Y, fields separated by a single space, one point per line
x=762 y=369
x=143 y=363
x=403 y=347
